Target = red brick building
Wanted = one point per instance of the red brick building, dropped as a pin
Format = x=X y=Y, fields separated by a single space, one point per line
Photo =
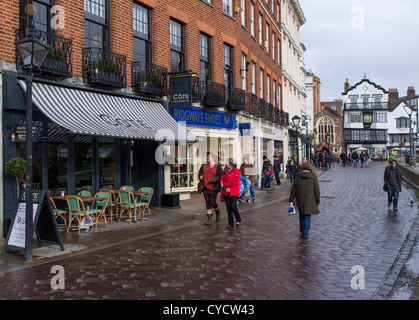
x=124 y=50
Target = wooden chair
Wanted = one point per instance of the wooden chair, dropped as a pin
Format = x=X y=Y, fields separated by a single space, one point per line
x=101 y=207
x=112 y=203
x=60 y=214
x=78 y=212
x=144 y=201
x=126 y=204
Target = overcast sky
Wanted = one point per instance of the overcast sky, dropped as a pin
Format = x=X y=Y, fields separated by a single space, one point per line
x=347 y=38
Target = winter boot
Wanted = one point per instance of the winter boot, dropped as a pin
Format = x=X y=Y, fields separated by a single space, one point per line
x=217 y=212
x=209 y=218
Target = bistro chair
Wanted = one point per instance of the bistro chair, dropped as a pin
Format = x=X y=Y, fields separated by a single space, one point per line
x=144 y=201
x=60 y=215
x=112 y=203
x=84 y=193
x=78 y=212
x=101 y=206
x=126 y=204
x=129 y=188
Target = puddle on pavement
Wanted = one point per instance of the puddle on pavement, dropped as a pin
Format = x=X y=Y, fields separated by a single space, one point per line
x=408 y=277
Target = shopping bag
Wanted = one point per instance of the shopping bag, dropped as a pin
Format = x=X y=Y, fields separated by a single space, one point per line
x=291 y=209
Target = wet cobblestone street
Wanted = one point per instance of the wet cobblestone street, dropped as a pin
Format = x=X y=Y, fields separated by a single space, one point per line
x=264 y=259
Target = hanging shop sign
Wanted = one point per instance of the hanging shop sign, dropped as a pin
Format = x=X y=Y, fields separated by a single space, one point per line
x=367 y=119
x=181 y=91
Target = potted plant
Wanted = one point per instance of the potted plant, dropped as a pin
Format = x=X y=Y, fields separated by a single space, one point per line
x=16 y=167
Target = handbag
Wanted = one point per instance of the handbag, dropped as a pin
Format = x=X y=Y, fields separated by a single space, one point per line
x=200 y=187
x=291 y=209
x=222 y=197
x=385 y=187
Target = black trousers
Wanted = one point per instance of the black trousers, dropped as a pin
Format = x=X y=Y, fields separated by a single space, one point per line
x=232 y=211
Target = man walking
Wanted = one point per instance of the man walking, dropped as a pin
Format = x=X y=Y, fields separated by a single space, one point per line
x=355 y=158
x=393 y=182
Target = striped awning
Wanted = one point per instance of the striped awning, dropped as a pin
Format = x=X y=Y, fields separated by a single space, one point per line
x=97 y=114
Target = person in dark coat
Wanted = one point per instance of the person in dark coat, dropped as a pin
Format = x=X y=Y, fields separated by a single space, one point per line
x=343 y=158
x=277 y=169
x=306 y=191
x=393 y=182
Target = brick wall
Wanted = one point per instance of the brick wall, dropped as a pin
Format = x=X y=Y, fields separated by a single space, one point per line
x=197 y=15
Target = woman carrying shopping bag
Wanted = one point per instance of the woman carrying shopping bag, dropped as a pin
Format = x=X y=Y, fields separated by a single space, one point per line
x=306 y=191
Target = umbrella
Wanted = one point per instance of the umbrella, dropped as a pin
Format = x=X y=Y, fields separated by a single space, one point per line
x=361 y=149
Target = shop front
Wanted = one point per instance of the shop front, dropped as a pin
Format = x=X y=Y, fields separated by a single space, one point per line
x=218 y=134
x=86 y=139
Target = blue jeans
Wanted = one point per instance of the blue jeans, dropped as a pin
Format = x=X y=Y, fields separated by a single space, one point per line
x=305 y=223
x=393 y=195
x=355 y=163
x=266 y=182
x=252 y=191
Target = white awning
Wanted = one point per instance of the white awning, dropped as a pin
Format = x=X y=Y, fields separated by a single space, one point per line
x=97 y=114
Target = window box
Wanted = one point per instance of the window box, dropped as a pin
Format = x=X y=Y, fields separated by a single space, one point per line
x=105 y=68
x=149 y=79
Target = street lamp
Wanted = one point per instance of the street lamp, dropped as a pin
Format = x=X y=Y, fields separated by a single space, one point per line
x=32 y=51
x=412 y=108
x=296 y=122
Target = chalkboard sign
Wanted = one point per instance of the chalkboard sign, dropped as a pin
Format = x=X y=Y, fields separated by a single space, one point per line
x=44 y=223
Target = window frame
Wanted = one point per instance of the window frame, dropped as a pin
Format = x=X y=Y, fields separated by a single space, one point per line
x=180 y=52
x=89 y=19
x=138 y=35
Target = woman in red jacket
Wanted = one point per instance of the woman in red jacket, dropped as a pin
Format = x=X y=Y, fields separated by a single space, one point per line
x=231 y=190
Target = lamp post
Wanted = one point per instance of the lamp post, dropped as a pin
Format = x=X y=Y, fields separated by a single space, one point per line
x=412 y=148
x=32 y=51
x=296 y=122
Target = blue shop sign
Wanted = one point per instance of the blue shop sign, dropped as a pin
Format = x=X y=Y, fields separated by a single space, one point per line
x=197 y=117
x=244 y=129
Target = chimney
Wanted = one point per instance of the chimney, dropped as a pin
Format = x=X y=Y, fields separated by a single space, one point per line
x=393 y=96
x=347 y=85
x=411 y=93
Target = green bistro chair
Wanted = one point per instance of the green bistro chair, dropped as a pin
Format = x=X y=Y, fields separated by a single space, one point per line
x=60 y=215
x=77 y=212
x=126 y=204
x=128 y=188
x=85 y=193
x=112 y=203
x=144 y=202
x=101 y=206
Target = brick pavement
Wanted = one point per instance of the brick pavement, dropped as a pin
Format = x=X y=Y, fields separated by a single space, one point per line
x=264 y=259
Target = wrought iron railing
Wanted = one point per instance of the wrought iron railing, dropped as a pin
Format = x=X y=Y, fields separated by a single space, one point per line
x=277 y=114
x=213 y=94
x=59 y=59
x=252 y=103
x=236 y=99
x=262 y=109
x=196 y=89
x=366 y=106
x=149 y=78
x=104 y=67
x=270 y=112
